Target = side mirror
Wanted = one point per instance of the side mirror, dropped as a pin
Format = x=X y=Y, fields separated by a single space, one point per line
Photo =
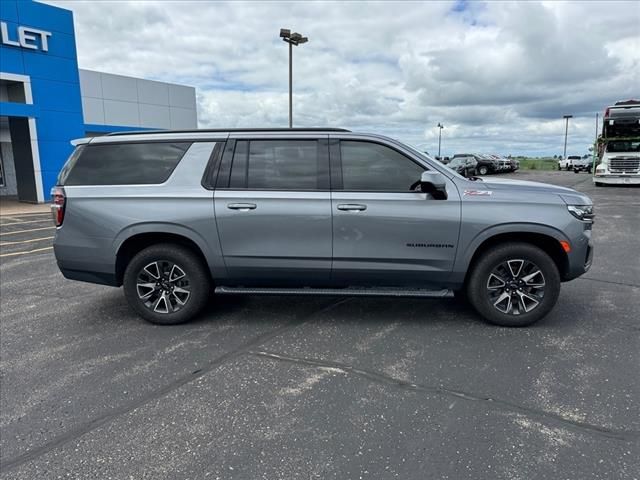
x=434 y=184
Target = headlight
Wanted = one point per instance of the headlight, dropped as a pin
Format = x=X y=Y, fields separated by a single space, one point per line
x=581 y=212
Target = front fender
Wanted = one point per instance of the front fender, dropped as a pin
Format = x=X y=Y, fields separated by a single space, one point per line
x=464 y=256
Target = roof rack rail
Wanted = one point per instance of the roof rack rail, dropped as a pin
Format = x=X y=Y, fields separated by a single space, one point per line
x=230 y=130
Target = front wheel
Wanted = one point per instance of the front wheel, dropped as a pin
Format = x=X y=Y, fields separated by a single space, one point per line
x=482 y=170
x=514 y=285
x=166 y=284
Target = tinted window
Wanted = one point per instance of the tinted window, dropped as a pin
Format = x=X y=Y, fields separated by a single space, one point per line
x=69 y=164
x=374 y=167
x=623 y=146
x=277 y=165
x=239 y=166
x=125 y=164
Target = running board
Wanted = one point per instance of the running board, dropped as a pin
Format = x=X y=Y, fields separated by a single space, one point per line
x=343 y=292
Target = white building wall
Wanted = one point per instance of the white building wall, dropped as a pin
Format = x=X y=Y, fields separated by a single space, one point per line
x=133 y=102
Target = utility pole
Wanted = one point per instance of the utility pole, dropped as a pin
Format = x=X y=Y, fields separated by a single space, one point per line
x=290 y=85
x=440 y=126
x=566 y=131
x=292 y=39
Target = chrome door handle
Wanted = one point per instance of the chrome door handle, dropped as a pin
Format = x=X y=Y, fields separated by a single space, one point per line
x=351 y=207
x=243 y=207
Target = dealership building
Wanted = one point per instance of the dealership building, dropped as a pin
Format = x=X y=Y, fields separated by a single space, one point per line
x=46 y=100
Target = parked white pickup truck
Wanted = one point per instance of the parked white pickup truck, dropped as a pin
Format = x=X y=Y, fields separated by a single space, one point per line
x=567 y=163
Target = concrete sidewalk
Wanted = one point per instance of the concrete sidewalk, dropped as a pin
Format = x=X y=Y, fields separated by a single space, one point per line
x=11 y=206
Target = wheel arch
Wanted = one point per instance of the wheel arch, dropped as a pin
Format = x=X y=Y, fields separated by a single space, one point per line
x=548 y=241
x=136 y=242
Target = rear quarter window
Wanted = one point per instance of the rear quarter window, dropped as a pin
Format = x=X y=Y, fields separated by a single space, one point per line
x=124 y=164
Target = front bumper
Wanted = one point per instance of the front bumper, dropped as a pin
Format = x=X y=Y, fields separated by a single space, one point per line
x=611 y=179
x=581 y=256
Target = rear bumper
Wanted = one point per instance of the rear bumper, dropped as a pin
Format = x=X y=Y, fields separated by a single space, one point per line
x=100 y=278
x=85 y=259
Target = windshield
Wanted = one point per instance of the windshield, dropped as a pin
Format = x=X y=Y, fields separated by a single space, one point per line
x=621 y=146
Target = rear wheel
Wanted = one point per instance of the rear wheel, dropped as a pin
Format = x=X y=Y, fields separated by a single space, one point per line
x=514 y=285
x=599 y=184
x=166 y=284
x=483 y=170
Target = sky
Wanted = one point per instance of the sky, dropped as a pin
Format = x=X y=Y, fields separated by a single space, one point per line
x=498 y=75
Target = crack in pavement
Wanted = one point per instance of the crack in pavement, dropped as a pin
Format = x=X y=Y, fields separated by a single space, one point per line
x=624 y=284
x=97 y=422
x=497 y=404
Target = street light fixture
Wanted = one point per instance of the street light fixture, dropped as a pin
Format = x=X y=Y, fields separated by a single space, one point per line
x=292 y=39
x=566 y=130
x=440 y=126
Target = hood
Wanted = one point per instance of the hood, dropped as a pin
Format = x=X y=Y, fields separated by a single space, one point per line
x=568 y=195
x=503 y=183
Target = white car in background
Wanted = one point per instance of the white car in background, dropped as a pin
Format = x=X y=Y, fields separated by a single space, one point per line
x=567 y=163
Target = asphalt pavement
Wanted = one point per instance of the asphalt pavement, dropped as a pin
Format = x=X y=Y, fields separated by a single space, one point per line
x=306 y=388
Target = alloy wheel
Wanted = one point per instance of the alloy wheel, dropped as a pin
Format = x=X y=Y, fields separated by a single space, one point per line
x=516 y=286
x=163 y=287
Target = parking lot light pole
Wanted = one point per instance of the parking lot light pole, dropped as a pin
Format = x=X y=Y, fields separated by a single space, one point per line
x=292 y=39
x=566 y=130
x=440 y=126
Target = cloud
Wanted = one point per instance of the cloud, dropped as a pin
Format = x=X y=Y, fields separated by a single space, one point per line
x=499 y=75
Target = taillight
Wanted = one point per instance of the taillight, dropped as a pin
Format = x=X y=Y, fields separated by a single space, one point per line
x=606 y=113
x=57 y=205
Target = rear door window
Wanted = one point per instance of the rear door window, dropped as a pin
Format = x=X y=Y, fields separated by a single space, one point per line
x=278 y=165
x=124 y=164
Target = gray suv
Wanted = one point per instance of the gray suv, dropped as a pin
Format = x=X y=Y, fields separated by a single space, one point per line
x=174 y=217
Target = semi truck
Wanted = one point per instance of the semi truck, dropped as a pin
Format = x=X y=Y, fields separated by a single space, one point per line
x=617 y=149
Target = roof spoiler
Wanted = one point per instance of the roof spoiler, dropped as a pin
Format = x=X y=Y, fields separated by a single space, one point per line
x=80 y=141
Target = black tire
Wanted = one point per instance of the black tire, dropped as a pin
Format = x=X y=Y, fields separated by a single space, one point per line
x=478 y=285
x=482 y=170
x=575 y=170
x=164 y=255
x=568 y=167
x=559 y=167
x=599 y=184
